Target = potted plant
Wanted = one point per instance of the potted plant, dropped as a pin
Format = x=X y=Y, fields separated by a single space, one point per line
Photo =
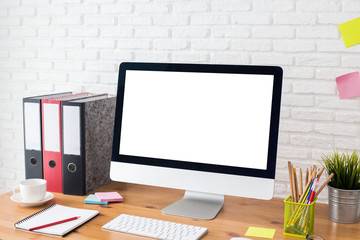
x=344 y=187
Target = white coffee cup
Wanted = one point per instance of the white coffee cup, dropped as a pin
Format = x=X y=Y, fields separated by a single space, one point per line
x=32 y=190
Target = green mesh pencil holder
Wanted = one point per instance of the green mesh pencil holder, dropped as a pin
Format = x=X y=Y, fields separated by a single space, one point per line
x=298 y=218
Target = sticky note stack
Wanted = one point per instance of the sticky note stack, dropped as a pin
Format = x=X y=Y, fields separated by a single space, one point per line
x=109 y=196
x=92 y=199
x=260 y=232
x=103 y=198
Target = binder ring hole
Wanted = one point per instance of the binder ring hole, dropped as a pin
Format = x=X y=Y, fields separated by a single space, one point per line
x=52 y=163
x=33 y=161
x=71 y=167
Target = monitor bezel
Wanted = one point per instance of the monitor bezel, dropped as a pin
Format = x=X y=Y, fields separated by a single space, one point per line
x=269 y=172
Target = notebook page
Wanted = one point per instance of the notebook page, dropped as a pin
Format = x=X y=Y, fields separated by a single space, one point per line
x=56 y=213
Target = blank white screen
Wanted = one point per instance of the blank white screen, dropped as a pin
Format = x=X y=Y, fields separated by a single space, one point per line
x=214 y=118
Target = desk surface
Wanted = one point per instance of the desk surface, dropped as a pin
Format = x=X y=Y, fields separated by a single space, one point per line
x=233 y=220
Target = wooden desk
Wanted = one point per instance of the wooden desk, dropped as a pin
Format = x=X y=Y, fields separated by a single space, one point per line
x=232 y=221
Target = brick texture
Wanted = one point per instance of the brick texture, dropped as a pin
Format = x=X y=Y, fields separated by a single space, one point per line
x=62 y=45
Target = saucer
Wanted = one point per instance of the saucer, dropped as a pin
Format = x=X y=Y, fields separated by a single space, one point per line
x=17 y=198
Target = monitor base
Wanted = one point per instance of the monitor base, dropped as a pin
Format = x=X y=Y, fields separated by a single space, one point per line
x=196 y=205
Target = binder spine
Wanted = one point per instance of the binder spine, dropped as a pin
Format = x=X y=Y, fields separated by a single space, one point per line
x=32 y=138
x=73 y=152
x=52 y=161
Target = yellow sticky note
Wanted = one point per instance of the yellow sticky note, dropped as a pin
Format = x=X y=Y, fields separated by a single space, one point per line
x=350 y=32
x=260 y=232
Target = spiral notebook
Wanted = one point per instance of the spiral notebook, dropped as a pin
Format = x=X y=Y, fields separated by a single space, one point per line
x=54 y=213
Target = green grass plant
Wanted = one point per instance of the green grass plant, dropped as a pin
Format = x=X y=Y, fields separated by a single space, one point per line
x=346 y=169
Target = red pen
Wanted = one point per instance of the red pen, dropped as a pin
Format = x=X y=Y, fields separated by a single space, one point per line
x=53 y=223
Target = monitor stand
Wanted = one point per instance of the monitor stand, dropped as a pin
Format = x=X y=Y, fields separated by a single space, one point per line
x=196 y=205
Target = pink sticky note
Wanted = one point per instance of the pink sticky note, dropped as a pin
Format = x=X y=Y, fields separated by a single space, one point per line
x=109 y=196
x=348 y=85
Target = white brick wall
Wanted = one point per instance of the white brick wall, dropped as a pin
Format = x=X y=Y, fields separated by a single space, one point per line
x=62 y=45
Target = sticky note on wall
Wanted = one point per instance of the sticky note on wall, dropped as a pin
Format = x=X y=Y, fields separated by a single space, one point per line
x=348 y=85
x=350 y=32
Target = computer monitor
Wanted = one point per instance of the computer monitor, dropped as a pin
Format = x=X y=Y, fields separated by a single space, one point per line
x=211 y=130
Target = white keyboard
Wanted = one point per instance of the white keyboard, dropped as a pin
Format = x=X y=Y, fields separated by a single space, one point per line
x=154 y=228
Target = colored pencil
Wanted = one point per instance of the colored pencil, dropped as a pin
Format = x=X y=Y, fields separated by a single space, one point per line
x=53 y=223
x=321 y=172
x=324 y=184
x=307 y=185
x=296 y=186
x=307 y=175
x=301 y=182
x=290 y=181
